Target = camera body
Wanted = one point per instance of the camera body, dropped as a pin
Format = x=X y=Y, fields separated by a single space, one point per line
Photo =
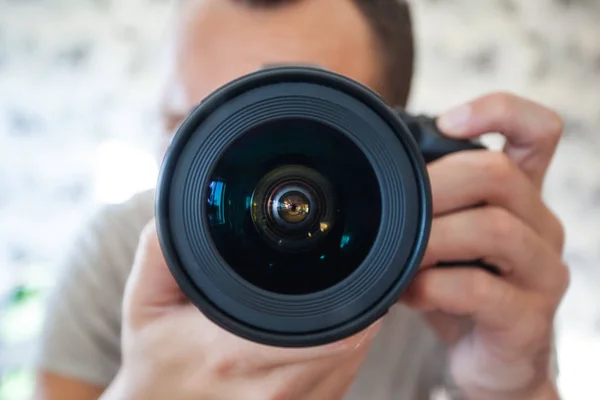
x=293 y=206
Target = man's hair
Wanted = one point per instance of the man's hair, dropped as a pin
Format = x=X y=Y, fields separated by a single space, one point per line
x=391 y=24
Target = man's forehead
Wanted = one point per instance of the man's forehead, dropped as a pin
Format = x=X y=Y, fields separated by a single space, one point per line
x=220 y=40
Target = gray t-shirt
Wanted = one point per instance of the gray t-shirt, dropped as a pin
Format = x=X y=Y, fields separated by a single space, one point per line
x=81 y=336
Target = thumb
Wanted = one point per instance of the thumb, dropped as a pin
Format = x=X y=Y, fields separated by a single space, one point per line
x=532 y=131
x=150 y=283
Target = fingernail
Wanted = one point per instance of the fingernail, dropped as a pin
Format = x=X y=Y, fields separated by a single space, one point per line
x=454 y=122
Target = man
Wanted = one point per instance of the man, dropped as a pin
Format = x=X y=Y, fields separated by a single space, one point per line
x=489 y=336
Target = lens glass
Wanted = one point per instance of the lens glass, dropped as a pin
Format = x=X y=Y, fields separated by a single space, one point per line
x=293 y=206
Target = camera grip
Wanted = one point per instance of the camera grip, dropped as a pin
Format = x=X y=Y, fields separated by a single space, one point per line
x=432 y=143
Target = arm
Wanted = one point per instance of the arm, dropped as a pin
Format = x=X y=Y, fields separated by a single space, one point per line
x=51 y=386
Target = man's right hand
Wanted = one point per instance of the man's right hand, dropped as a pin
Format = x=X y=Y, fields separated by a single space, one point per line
x=172 y=351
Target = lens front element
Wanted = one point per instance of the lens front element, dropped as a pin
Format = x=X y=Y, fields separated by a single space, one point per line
x=293 y=213
x=293 y=207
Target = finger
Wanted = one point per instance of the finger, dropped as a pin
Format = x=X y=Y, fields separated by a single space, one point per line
x=327 y=378
x=449 y=328
x=489 y=300
x=532 y=130
x=150 y=283
x=281 y=356
x=500 y=239
x=338 y=381
x=239 y=356
x=468 y=179
x=312 y=380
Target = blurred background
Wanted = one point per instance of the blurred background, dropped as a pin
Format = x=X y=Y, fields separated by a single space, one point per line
x=78 y=87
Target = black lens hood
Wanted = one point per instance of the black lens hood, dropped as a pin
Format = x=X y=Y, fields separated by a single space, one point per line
x=308 y=319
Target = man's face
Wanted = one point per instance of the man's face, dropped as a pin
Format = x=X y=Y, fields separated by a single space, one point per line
x=220 y=40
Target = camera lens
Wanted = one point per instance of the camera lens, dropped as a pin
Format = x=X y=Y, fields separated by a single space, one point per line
x=290 y=205
x=293 y=207
x=292 y=217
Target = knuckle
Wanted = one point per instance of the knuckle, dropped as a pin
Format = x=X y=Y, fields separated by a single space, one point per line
x=148 y=240
x=560 y=233
x=532 y=329
x=504 y=104
x=148 y=232
x=556 y=124
x=224 y=367
x=498 y=167
x=478 y=287
x=422 y=286
x=501 y=225
x=225 y=364
x=541 y=327
x=563 y=278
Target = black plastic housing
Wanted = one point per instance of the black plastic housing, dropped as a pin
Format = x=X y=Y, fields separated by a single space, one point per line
x=397 y=146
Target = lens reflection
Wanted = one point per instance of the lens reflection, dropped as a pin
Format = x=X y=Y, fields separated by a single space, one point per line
x=289 y=206
x=293 y=207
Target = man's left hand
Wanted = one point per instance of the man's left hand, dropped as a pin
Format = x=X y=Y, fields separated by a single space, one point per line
x=488 y=206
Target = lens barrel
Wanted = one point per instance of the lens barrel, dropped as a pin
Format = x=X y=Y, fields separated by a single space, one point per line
x=293 y=207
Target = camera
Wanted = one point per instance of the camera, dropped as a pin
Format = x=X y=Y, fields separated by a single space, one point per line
x=293 y=205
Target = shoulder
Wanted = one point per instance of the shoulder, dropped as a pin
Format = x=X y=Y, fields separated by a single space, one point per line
x=81 y=335
x=108 y=240
x=98 y=260
x=124 y=219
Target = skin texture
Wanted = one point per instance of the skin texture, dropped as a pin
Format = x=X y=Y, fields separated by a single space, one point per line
x=52 y=386
x=498 y=328
x=222 y=40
